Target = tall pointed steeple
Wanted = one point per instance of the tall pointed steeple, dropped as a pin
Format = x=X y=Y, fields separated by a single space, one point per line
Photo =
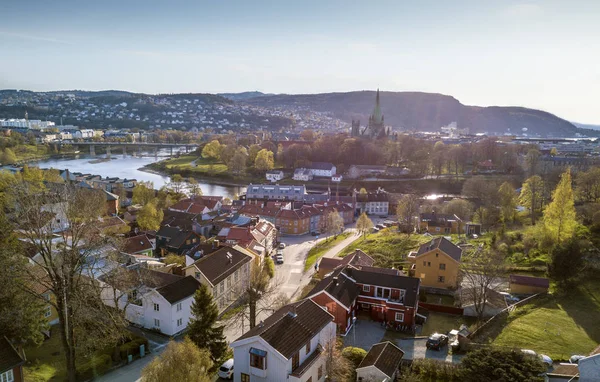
x=377 y=117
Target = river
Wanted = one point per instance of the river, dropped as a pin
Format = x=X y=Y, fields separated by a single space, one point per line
x=129 y=168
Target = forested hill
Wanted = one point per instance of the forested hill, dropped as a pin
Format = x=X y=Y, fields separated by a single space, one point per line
x=415 y=111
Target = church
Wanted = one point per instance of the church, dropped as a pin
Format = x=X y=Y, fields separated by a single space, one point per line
x=376 y=127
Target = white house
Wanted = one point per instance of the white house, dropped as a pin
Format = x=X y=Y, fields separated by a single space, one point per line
x=151 y=299
x=380 y=364
x=325 y=169
x=302 y=174
x=290 y=345
x=274 y=175
x=336 y=178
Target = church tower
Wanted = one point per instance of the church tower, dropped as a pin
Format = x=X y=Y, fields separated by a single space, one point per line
x=376 y=128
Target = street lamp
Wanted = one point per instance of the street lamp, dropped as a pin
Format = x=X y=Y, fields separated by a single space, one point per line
x=354 y=330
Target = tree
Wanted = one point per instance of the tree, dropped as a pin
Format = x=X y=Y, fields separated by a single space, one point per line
x=567 y=260
x=459 y=207
x=212 y=150
x=180 y=362
x=508 y=202
x=173 y=258
x=253 y=151
x=143 y=192
x=307 y=135
x=335 y=223
x=532 y=159
x=176 y=184
x=478 y=187
x=408 y=208
x=354 y=355
x=237 y=163
x=227 y=152
x=8 y=156
x=587 y=185
x=559 y=215
x=364 y=224
x=481 y=272
x=194 y=187
x=264 y=160
x=337 y=367
x=203 y=329
x=496 y=364
x=532 y=196
x=150 y=216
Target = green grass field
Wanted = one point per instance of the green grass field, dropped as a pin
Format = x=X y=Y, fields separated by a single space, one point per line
x=196 y=165
x=558 y=326
x=320 y=249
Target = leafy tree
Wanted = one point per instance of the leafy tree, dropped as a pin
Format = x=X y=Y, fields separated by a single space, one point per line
x=150 y=216
x=176 y=184
x=354 y=355
x=335 y=223
x=203 y=329
x=270 y=267
x=559 y=215
x=237 y=163
x=459 y=207
x=308 y=135
x=495 y=364
x=180 y=362
x=532 y=159
x=363 y=191
x=587 y=185
x=252 y=153
x=338 y=367
x=508 y=201
x=143 y=193
x=173 y=258
x=264 y=160
x=567 y=260
x=478 y=187
x=532 y=195
x=8 y=156
x=364 y=224
x=212 y=150
x=194 y=187
x=227 y=152
x=408 y=208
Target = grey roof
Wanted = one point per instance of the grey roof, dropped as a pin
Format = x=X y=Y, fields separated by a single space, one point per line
x=322 y=165
x=443 y=245
x=409 y=284
x=290 y=328
x=9 y=357
x=385 y=356
x=217 y=267
x=180 y=289
x=339 y=287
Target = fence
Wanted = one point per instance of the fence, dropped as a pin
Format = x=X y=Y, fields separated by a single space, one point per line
x=442 y=308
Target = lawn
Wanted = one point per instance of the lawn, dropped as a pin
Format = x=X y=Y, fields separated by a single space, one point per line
x=320 y=249
x=388 y=247
x=195 y=165
x=556 y=325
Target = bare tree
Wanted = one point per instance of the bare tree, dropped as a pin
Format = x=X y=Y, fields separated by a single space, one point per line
x=338 y=367
x=408 y=208
x=364 y=224
x=335 y=223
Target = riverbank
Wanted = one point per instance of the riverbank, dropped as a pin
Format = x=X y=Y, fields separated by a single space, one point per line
x=215 y=181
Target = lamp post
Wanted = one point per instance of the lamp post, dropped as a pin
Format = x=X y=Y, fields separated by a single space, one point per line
x=354 y=330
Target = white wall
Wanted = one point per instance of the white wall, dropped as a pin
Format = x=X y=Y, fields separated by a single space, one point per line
x=371 y=374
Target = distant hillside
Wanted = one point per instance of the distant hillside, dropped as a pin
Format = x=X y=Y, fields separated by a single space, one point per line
x=415 y=111
x=242 y=96
x=586 y=126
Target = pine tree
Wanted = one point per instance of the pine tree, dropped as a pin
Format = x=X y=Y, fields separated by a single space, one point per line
x=203 y=329
x=559 y=216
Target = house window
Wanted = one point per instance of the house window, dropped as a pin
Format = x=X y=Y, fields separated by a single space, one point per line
x=245 y=378
x=156 y=323
x=179 y=321
x=48 y=311
x=296 y=361
x=308 y=347
x=179 y=307
x=236 y=275
x=320 y=372
x=222 y=287
x=366 y=288
x=258 y=359
x=424 y=263
x=399 y=317
x=429 y=263
x=156 y=308
x=7 y=376
x=443 y=267
x=437 y=229
x=187 y=242
x=198 y=275
x=441 y=279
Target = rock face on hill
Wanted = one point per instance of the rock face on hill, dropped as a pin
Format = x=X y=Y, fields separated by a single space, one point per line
x=415 y=111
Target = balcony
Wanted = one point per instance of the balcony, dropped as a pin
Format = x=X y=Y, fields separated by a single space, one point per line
x=297 y=373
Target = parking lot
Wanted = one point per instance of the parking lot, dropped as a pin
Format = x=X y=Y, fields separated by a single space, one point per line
x=415 y=348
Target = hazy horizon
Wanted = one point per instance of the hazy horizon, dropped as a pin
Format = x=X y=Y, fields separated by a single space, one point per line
x=535 y=54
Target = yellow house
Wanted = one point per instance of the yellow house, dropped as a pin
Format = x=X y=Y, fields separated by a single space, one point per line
x=441 y=224
x=437 y=263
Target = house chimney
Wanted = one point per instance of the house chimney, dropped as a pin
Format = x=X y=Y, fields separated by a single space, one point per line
x=335 y=280
x=292 y=313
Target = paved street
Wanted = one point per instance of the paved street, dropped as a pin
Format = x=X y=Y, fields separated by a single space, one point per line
x=415 y=348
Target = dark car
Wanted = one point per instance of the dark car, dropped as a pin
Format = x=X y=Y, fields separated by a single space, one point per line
x=436 y=341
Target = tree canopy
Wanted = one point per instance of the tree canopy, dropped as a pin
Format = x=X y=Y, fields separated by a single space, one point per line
x=180 y=362
x=560 y=216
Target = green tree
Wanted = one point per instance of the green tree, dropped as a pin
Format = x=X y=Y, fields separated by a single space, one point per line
x=203 y=329
x=532 y=159
x=559 y=215
x=180 y=362
x=532 y=196
x=408 y=208
x=173 y=258
x=212 y=150
x=150 y=216
x=8 y=156
x=194 y=187
x=227 y=152
x=587 y=185
x=567 y=260
x=335 y=223
x=364 y=224
x=237 y=163
x=354 y=355
x=264 y=160
x=495 y=364
x=252 y=153
x=508 y=202
x=143 y=193
x=459 y=207
x=176 y=184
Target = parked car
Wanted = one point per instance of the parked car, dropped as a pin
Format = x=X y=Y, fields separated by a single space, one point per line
x=281 y=245
x=380 y=226
x=544 y=358
x=314 y=233
x=436 y=341
x=279 y=258
x=226 y=369
x=576 y=358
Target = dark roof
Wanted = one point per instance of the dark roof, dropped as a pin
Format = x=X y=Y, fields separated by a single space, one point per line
x=339 y=287
x=443 y=245
x=137 y=244
x=385 y=356
x=435 y=217
x=138 y=276
x=216 y=266
x=529 y=280
x=564 y=370
x=179 y=290
x=387 y=271
x=358 y=258
x=290 y=328
x=321 y=165
x=409 y=284
x=9 y=357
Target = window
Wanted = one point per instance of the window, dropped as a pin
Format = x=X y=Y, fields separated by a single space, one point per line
x=245 y=378
x=179 y=321
x=437 y=229
x=429 y=263
x=198 y=275
x=228 y=282
x=399 y=317
x=48 y=311
x=236 y=275
x=320 y=372
x=156 y=323
x=187 y=242
x=258 y=358
x=424 y=263
x=441 y=279
x=156 y=308
x=443 y=267
x=222 y=287
x=366 y=288
x=308 y=347
x=296 y=361
x=7 y=376
x=179 y=307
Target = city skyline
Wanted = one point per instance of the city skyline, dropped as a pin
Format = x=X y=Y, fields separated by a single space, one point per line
x=520 y=53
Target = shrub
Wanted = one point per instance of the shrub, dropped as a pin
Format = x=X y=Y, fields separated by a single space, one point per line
x=132 y=347
x=96 y=366
x=354 y=355
x=270 y=267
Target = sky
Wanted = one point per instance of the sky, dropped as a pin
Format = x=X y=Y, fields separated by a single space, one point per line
x=542 y=54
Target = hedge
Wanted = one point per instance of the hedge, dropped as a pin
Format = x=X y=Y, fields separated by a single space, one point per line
x=96 y=366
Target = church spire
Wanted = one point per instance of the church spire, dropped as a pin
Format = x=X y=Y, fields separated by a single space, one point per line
x=377 y=117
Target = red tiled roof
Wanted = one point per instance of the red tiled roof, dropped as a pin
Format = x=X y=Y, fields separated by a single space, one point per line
x=137 y=244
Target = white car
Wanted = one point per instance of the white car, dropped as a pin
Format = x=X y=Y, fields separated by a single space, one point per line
x=226 y=369
x=279 y=259
x=544 y=358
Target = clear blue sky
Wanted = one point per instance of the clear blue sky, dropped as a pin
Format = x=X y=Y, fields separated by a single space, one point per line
x=543 y=54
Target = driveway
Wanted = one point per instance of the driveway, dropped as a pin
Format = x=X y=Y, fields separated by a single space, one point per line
x=364 y=334
x=414 y=348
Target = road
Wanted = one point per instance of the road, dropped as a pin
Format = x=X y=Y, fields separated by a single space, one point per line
x=291 y=277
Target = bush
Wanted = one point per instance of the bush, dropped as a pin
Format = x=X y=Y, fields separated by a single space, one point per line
x=270 y=267
x=354 y=355
x=434 y=370
x=132 y=347
x=96 y=366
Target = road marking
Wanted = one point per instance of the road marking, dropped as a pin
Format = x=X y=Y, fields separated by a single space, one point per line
x=296 y=271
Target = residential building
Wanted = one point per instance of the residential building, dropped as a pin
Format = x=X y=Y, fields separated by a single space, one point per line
x=437 y=263
x=274 y=175
x=263 y=234
x=373 y=203
x=11 y=362
x=358 y=171
x=336 y=178
x=435 y=223
x=226 y=272
x=322 y=169
x=176 y=240
x=357 y=259
x=494 y=303
x=275 y=192
x=138 y=245
x=381 y=363
x=151 y=299
x=302 y=174
x=519 y=284
x=589 y=368
x=198 y=204
x=290 y=345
